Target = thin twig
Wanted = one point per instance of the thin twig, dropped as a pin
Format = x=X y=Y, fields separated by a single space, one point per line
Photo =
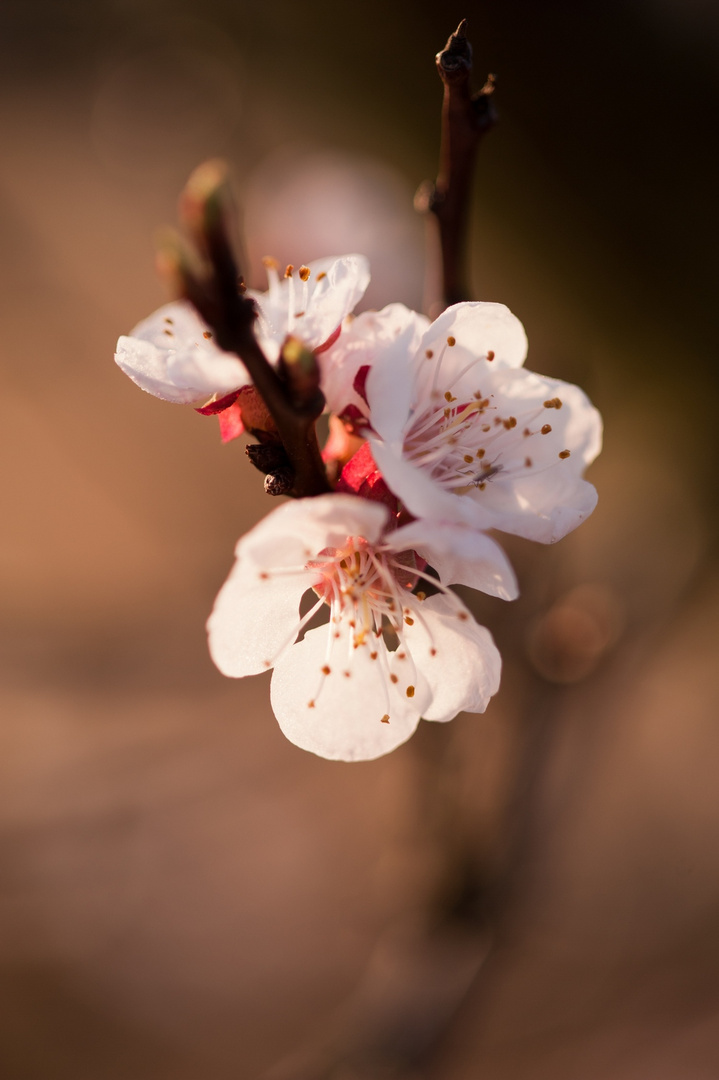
x=465 y=119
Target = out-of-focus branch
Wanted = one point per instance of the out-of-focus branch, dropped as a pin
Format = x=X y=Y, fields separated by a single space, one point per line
x=213 y=284
x=465 y=119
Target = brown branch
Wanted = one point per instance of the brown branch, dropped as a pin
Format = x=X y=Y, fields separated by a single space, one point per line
x=215 y=288
x=465 y=119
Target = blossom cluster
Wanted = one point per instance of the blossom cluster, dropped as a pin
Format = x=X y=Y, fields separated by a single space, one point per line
x=438 y=437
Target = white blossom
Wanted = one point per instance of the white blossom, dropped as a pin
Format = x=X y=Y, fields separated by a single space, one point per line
x=458 y=415
x=355 y=687
x=171 y=354
x=308 y=302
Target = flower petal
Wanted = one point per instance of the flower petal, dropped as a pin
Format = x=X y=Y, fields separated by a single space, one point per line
x=461 y=556
x=253 y=619
x=362 y=340
x=356 y=714
x=421 y=495
x=539 y=492
x=313 y=309
x=257 y=608
x=169 y=356
x=474 y=330
x=457 y=657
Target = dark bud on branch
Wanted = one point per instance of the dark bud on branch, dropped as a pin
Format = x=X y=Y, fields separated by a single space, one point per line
x=280 y=482
x=301 y=372
x=267 y=457
x=455 y=60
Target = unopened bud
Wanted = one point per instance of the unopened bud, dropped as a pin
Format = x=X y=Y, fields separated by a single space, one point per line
x=177 y=264
x=205 y=201
x=299 y=366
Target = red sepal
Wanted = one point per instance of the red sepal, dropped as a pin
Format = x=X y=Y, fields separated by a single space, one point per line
x=360 y=381
x=330 y=340
x=361 y=476
x=214 y=407
x=231 y=425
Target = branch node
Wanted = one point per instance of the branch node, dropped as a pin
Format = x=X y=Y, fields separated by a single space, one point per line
x=279 y=482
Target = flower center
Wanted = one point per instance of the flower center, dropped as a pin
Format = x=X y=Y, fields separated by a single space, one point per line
x=466 y=444
x=366 y=583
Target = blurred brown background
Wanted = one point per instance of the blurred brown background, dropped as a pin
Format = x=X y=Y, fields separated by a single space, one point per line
x=184 y=895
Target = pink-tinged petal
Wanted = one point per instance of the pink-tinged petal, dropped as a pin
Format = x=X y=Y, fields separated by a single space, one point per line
x=171 y=356
x=461 y=556
x=457 y=657
x=337 y=701
x=230 y=419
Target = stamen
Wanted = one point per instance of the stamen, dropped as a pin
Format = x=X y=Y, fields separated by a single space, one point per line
x=273 y=281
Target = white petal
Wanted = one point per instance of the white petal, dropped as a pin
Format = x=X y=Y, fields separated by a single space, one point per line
x=390 y=388
x=257 y=608
x=299 y=530
x=362 y=339
x=168 y=355
x=253 y=618
x=479 y=330
x=461 y=556
x=312 y=311
x=421 y=495
x=356 y=716
x=457 y=656
x=547 y=500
